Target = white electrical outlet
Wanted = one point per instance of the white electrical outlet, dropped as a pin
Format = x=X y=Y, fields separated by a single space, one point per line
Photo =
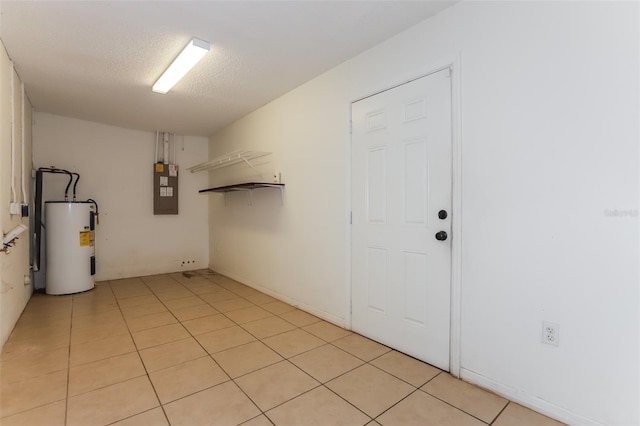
x=550 y=333
x=276 y=177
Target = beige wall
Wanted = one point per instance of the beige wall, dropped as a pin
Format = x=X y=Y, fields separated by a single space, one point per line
x=116 y=169
x=14 y=266
x=549 y=121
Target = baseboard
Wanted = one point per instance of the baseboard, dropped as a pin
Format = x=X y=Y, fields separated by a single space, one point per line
x=524 y=399
x=340 y=322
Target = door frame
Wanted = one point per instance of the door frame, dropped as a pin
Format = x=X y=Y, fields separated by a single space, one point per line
x=453 y=64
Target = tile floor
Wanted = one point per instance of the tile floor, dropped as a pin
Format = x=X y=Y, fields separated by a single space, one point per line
x=199 y=348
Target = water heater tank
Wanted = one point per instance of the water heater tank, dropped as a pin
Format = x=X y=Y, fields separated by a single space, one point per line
x=70 y=249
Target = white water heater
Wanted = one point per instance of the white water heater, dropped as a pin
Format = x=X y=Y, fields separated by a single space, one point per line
x=70 y=246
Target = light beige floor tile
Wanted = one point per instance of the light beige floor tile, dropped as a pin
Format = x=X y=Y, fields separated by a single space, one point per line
x=32 y=393
x=422 y=409
x=97 y=332
x=467 y=397
x=41 y=315
x=193 y=312
x=94 y=375
x=111 y=403
x=18 y=347
x=126 y=282
x=292 y=343
x=278 y=307
x=29 y=328
x=406 y=368
x=27 y=366
x=244 y=290
x=125 y=292
x=318 y=407
x=137 y=301
x=159 y=335
x=275 y=384
x=206 y=324
x=224 y=404
x=226 y=338
x=101 y=349
x=268 y=327
x=164 y=286
x=231 y=285
x=187 y=378
x=94 y=309
x=260 y=298
x=361 y=347
x=173 y=294
x=142 y=310
x=245 y=315
x=151 y=321
x=261 y=420
x=326 y=362
x=87 y=320
x=184 y=302
x=218 y=296
x=299 y=318
x=516 y=414
x=154 y=417
x=246 y=358
x=326 y=331
x=370 y=389
x=94 y=306
x=46 y=415
x=170 y=354
x=204 y=288
x=38 y=331
x=232 y=304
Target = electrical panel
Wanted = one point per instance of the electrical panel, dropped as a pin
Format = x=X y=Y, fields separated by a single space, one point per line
x=165 y=188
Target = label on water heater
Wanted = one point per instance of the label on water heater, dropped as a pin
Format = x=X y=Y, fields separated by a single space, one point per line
x=85 y=238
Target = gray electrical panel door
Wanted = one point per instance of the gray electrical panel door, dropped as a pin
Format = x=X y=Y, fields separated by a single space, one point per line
x=165 y=188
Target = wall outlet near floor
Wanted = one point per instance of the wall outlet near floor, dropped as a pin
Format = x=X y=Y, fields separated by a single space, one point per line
x=551 y=333
x=189 y=263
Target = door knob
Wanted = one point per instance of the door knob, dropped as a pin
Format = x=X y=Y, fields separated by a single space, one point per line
x=442 y=214
x=441 y=236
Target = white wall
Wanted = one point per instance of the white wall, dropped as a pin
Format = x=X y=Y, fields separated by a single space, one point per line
x=116 y=168
x=14 y=265
x=549 y=148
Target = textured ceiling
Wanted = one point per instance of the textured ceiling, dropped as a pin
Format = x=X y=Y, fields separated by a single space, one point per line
x=97 y=60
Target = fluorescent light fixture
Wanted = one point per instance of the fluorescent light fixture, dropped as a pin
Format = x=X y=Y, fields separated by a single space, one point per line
x=187 y=59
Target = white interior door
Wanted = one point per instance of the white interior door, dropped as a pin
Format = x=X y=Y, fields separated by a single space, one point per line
x=401 y=204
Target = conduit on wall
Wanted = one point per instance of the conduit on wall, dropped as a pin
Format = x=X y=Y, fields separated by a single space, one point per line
x=13 y=138
x=25 y=197
x=19 y=198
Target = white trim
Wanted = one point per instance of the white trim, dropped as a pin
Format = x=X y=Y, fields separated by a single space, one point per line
x=349 y=224
x=452 y=62
x=525 y=399
x=456 y=219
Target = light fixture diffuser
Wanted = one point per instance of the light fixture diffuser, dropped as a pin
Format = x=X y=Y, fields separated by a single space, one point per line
x=187 y=59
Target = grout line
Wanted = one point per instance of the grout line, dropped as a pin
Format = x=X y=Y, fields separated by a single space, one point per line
x=66 y=399
x=393 y=405
x=107 y=295
x=147 y=371
x=501 y=411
